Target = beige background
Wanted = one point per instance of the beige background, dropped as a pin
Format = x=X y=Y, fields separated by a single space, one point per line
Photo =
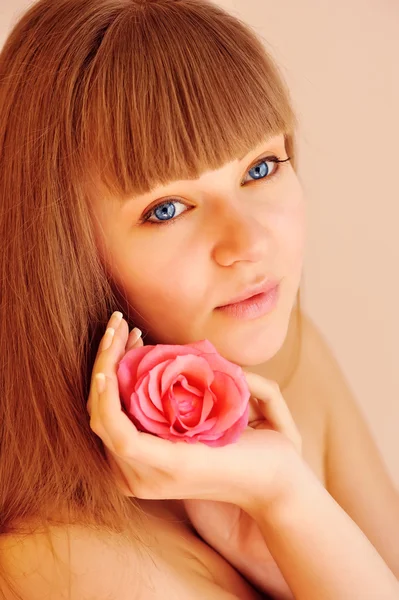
x=341 y=60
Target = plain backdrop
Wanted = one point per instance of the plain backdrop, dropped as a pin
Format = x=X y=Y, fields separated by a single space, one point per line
x=341 y=59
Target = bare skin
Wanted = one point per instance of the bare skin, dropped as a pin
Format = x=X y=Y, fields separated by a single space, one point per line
x=262 y=234
x=308 y=406
x=181 y=562
x=170 y=518
x=302 y=508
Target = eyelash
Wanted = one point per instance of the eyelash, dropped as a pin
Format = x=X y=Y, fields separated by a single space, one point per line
x=266 y=159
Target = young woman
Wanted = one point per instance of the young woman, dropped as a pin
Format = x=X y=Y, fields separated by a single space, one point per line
x=148 y=170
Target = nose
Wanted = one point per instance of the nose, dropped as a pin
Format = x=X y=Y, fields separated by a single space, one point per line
x=241 y=238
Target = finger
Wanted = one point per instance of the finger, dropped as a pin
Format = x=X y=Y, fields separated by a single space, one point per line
x=112 y=349
x=110 y=352
x=113 y=324
x=273 y=407
x=121 y=436
x=110 y=422
x=135 y=339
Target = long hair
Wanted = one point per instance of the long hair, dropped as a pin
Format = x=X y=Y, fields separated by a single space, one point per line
x=96 y=91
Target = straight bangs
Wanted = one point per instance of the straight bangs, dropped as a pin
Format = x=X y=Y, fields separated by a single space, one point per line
x=176 y=88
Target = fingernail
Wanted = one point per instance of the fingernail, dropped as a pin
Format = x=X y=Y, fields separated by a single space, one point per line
x=100 y=382
x=136 y=335
x=115 y=319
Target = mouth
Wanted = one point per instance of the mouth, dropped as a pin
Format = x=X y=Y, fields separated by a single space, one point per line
x=253 y=303
x=250 y=293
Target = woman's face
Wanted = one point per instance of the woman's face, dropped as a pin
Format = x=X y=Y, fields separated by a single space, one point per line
x=182 y=251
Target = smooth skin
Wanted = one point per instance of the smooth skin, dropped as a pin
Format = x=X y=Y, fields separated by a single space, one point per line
x=295 y=514
x=231 y=231
x=290 y=513
x=337 y=445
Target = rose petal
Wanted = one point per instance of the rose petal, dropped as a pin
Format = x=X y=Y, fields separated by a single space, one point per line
x=154 y=390
x=208 y=403
x=231 y=402
x=145 y=422
x=178 y=429
x=169 y=401
x=195 y=368
x=183 y=434
x=190 y=388
x=148 y=408
x=231 y=436
x=162 y=353
x=188 y=407
x=142 y=389
x=218 y=363
x=169 y=404
x=166 y=379
x=127 y=369
x=200 y=429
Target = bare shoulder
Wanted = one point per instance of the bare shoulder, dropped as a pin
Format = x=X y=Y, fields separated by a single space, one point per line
x=72 y=562
x=78 y=563
x=337 y=441
x=356 y=473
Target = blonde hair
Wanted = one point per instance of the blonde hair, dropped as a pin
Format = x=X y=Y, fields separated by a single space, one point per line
x=99 y=89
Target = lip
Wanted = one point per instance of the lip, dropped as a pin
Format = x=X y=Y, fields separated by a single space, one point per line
x=263 y=288
x=253 y=304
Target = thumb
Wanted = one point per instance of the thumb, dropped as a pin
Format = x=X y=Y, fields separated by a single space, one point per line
x=255 y=412
x=273 y=407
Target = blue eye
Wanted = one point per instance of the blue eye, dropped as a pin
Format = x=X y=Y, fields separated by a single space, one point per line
x=266 y=168
x=260 y=171
x=166 y=211
x=169 y=210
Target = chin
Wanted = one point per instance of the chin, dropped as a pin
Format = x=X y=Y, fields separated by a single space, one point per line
x=256 y=347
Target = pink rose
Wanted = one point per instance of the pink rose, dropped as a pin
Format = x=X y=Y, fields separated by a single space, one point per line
x=185 y=393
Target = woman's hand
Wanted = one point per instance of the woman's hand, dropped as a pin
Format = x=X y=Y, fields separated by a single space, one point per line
x=230 y=530
x=234 y=534
x=255 y=469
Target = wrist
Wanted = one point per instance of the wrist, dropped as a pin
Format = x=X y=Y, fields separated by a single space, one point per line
x=291 y=480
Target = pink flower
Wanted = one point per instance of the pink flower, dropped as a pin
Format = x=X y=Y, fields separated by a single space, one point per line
x=188 y=393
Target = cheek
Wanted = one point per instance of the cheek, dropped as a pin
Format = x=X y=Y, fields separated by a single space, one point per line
x=161 y=285
x=295 y=234
x=286 y=225
x=292 y=229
